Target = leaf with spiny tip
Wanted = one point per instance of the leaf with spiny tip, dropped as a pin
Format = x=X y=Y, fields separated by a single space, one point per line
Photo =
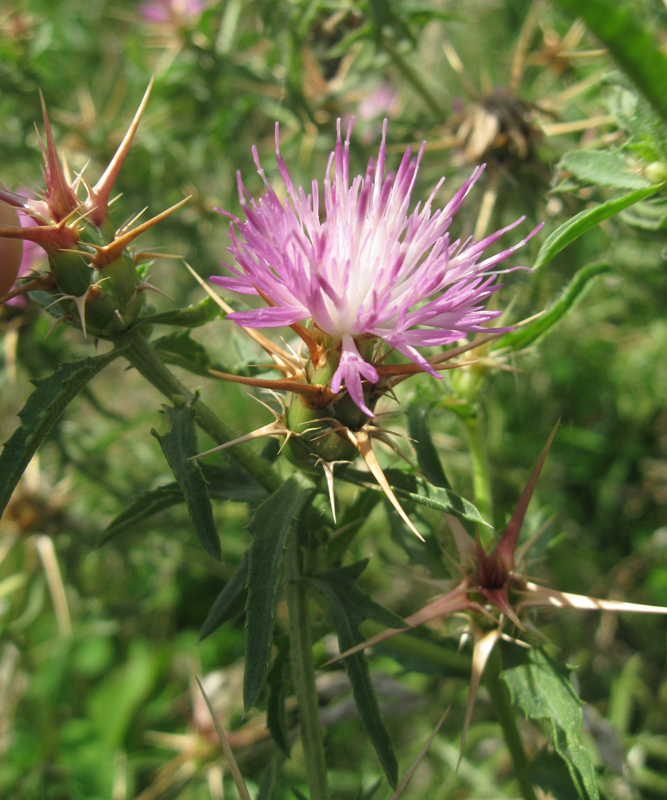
x=508 y=541
x=99 y=194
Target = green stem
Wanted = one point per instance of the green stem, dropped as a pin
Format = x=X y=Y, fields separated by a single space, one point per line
x=502 y=705
x=480 y=474
x=146 y=361
x=303 y=672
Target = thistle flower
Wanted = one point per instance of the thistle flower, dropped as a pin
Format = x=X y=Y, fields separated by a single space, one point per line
x=367 y=273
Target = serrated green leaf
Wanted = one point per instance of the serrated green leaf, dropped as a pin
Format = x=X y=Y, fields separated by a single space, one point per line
x=541 y=688
x=427 y=455
x=411 y=487
x=585 y=220
x=229 y=603
x=179 y=444
x=41 y=412
x=275 y=707
x=270 y=526
x=634 y=48
x=603 y=168
x=349 y=607
x=191 y=317
x=180 y=349
x=528 y=334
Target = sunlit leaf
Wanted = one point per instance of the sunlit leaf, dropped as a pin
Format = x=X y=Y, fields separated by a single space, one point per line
x=542 y=689
x=411 y=487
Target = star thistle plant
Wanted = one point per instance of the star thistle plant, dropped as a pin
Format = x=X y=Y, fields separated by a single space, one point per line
x=362 y=278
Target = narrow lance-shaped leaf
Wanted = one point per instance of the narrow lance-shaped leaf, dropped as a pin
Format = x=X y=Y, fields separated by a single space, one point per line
x=542 y=689
x=585 y=220
x=229 y=602
x=41 y=412
x=527 y=335
x=224 y=483
x=349 y=607
x=270 y=526
x=179 y=445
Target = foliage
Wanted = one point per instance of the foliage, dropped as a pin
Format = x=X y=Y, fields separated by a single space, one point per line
x=110 y=607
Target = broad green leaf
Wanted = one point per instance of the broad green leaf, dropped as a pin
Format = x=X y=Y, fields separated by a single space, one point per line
x=427 y=455
x=229 y=603
x=179 y=444
x=180 y=349
x=41 y=412
x=411 y=487
x=633 y=47
x=542 y=689
x=585 y=220
x=275 y=707
x=603 y=168
x=528 y=334
x=191 y=317
x=349 y=607
x=270 y=526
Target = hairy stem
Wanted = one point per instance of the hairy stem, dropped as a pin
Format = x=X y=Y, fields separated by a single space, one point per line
x=146 y=361
x=303 y=672
x=502 y=706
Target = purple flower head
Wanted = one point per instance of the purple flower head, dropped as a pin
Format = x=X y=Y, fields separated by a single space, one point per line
x=367 y=269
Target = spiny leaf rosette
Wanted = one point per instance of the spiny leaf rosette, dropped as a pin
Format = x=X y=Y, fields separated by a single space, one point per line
x=362 y=279
x=93 y=278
